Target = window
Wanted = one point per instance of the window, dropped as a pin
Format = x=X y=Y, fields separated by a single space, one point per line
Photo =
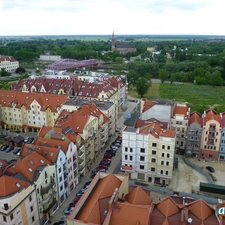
x=61 y=188
x=168 y=155
x=131 y=149
x=168 y=147
x=142 y=167
x=33 y=219
x=163 y=146
x=60 y=179
x=153 y=160
x=125 y=149
x=142 y=150
x=153 y=152
x=163 y=154
x=161 y=171
x=125 y=157
x=30 y=198
x=142 y=158
x=167 y=172
x=131 y=157
x=167 y=163
x=153 y=169
x=4 y=218
x=60 y=170
x=31 y=208
x=11 y=216
x=162 y=162
x=154 y=145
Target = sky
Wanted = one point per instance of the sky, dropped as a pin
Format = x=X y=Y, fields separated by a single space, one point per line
x=102 y=17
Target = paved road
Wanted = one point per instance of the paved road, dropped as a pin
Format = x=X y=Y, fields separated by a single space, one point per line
x=114 y=168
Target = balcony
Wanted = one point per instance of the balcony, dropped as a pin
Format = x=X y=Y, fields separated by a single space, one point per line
x=210 y=142
x=87 y=153
x=80 y=153
x=44 y=190
x=80 y=161
x=127 y=168
x=47 y=208
x=80 y=168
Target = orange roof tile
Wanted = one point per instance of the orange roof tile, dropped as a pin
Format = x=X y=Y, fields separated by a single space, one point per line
x=104 y=189
x=147 y=104
x=195 y=117
x=211 y=115
x=10 y=185
x=126 y=213
x=138 y=197
x=28 y=165
x=181 y=110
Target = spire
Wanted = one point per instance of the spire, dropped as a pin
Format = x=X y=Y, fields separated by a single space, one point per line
x=113 y=42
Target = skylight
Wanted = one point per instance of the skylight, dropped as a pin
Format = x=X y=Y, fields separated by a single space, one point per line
x=18 y=185
x=30 y=169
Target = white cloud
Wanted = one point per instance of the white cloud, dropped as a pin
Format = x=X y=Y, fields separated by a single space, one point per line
x=62 y=17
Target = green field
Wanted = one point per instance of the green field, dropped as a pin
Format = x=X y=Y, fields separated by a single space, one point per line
x=199 y=98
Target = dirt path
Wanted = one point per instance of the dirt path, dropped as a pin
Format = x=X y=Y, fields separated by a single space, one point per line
x=185 y=177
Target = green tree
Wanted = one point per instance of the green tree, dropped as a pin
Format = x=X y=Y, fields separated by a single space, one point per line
x=200 y=80
x=142 y=86
x=132 y=78
x=163 y=75
x=118 y=59
x=216 y=79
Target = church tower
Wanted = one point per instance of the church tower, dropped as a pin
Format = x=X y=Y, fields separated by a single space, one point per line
x=113 y=42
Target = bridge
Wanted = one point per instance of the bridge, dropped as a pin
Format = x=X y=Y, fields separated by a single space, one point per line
x=64 y=64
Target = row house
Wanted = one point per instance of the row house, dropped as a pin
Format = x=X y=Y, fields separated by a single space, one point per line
x=8 y=63
x=148 y=152
x=29 y=111
x=107 y=108
x=194 y=135
x=222 y=139
x=211 y=134
x=40 y=174
x=79 y=129
x=179 y=123
x=112 y=89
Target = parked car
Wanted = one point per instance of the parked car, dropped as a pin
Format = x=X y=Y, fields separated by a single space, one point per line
x=2 y=136
x=16 y=150
x=25 y=139
x=109 y=160
x=106 y=163
x=107 y=157
x=30 y=140
x=102 y=167
x=102 y=170
x=72 y=204
x=4 y=147
x=111 y=152
x=210 y=169
x=9 y=149
x=59 y=222
x=79 y=194
x=68 y=210
x=76 y=199
x=114 y=147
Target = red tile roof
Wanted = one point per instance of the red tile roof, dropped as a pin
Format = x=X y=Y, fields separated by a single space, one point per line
x=91 y=211
x=181 y=110
x=7 y=58
x=138 y=196
x=195 y=117
x=147 y=104
x=211 y=115
x=10 y=185
x=28 y=165
x=141 y=123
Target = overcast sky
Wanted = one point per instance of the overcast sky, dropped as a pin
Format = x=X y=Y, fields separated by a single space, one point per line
x=74 y=17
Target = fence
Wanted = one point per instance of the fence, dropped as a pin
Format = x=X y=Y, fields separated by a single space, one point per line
x=200 y=170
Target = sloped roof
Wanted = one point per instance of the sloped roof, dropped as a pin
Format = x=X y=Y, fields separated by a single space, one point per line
x=104 y=189
x=7 y=58
x=195 y=117
x=28 y=165
x=138 y=197
x=181 y=110
x=147 y=104
x=141 y=123
x=211 y=115
x=10 y=185
x=126 y=213
x=223 y=119
x=201 y=209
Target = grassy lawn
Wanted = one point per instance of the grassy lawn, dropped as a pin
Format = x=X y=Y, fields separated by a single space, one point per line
x=199 y=98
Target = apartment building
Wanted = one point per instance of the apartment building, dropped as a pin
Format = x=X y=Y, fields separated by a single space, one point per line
x=194 y=135
x=211 y=134
x=179 y=123
x=8 y=63
x=221 y=155
x=29 y=111
x=17 y=199
x=148 y=152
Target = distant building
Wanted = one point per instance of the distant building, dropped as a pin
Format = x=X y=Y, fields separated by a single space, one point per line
x=8 y=63
x=122 y=47
x=49 y=57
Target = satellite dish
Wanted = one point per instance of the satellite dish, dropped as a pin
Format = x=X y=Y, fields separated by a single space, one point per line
x=189 y=220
